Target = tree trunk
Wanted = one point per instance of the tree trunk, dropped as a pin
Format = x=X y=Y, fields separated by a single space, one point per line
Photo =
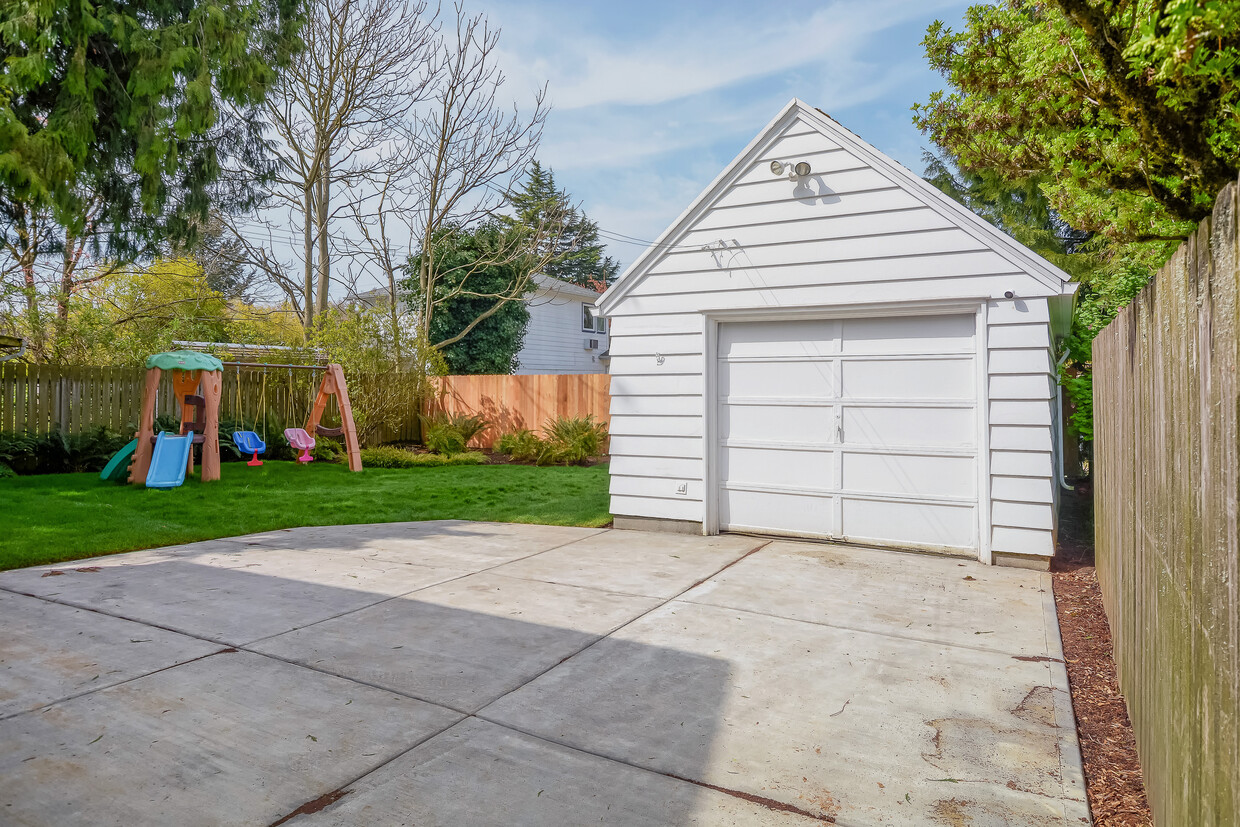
x=308 y=284
x=323 y=208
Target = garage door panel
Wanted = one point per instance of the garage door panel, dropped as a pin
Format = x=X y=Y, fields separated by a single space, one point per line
x=915 y=524
x=778 y=423
x=904 y=474
x=788 y=338
x=806 y=379
x=908 y=334
x=783 y=513
x=767 y=466
x=911 y=426
x=923 y=379
x=863 y=429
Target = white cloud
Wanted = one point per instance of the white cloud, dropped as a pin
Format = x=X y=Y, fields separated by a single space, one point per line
x=719 y=50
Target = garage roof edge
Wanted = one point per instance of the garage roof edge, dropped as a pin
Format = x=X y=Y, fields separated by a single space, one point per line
x=993 y=238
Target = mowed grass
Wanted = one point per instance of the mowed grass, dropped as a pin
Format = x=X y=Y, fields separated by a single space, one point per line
x=56 y=517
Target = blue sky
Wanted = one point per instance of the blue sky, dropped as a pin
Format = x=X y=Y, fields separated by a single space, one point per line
x=652 y=99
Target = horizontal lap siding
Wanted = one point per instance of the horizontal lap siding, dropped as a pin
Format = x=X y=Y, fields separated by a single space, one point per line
x=846 y=236
x=554 y=341
x=1022 y=392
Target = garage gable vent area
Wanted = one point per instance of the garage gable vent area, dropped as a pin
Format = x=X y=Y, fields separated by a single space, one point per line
x=838 y=352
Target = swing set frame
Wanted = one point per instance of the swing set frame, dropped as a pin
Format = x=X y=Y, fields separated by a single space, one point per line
x=333 y=384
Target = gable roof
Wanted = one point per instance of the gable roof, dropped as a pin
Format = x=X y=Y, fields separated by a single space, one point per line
x=546 y=282
x=989 y=236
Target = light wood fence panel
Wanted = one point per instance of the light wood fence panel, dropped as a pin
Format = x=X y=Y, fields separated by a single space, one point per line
x=510 y=403
x=1167 y=487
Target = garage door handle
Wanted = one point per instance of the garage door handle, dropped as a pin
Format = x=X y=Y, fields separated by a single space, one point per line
x=839 y=427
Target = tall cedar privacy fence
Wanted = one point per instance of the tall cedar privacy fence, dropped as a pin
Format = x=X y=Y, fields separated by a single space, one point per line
x=1167 y=450
x=38 y=399
x=509 y=403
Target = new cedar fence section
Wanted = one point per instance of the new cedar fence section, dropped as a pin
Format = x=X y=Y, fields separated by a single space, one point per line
x=510 y=403
x=38 y=399
x=1167 y=455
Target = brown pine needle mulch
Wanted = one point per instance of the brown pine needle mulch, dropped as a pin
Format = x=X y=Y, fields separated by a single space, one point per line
x=1112 y=771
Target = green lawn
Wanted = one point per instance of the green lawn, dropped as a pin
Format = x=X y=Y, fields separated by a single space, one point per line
x=47 y=519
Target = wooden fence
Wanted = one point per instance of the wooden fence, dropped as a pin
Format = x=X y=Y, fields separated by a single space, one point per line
x=512 y=402
x=1167 y=454
x=38 y=399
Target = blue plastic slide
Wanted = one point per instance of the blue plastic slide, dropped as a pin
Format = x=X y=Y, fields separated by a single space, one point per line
x=169 y=461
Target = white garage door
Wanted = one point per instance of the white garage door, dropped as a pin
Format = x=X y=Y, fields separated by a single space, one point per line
x=854 y=429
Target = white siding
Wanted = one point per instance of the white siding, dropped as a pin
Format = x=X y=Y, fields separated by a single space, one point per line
x=847 y=236
x=554 y=341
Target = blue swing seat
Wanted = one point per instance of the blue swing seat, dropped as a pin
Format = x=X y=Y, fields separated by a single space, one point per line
x=249 y=442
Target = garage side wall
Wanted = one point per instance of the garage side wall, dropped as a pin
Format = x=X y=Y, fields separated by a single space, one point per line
x=847 y=235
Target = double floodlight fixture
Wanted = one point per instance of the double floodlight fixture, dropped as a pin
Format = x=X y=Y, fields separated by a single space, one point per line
x=798 y=170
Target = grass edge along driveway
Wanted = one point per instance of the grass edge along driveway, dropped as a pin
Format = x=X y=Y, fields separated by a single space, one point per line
x=56 y=517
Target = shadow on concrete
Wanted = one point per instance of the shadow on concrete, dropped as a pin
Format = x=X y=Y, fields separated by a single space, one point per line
x=259 y=735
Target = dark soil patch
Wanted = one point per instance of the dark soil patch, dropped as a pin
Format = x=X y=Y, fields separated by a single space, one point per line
x=1112 y=770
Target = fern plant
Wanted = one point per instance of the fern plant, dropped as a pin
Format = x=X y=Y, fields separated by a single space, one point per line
x=523 y=445
x=572 y=440
x=450 y=433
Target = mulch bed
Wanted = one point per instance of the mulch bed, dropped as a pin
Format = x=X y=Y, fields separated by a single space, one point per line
x=1112 y=771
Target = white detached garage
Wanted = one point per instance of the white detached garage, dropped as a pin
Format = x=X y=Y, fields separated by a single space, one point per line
x=842 y=353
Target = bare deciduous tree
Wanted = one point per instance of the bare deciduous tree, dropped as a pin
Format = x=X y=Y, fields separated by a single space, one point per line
x=336 y=114
x=464 y=149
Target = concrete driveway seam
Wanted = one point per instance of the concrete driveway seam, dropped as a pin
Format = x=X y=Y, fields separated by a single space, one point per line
x=415 y=591
x=844 y=627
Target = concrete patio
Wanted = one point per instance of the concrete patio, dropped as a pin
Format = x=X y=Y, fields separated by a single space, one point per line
x=454 y=673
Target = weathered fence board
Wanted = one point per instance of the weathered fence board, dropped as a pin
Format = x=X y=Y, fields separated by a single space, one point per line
x=1167 y=456
x=38 y=399
x=512 y=402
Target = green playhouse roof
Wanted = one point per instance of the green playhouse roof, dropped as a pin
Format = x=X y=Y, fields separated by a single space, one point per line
x=184 y=360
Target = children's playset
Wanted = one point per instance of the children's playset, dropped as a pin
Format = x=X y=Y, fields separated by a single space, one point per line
x=162 y=460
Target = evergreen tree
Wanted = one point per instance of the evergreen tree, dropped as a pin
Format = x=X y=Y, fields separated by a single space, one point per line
x=133 y=104
x=471 y=276
x=575 y=253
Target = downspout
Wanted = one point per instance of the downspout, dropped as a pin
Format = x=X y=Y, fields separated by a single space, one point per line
x=1059 y=418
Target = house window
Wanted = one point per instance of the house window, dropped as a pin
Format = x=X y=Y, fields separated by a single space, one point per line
x=591 y=323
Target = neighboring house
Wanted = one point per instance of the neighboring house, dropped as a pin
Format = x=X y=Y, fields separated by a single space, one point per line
x=564 y=335
x=844 y=354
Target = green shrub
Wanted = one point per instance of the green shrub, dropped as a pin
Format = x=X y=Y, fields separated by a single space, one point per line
x=572 y=440
x=467 y=458
x=388 y=456
x=6 y=472
x=326 y=449
x=450 y=433
x=441 y=439
x=20 y=452
x=523 y=445
x=58 y=453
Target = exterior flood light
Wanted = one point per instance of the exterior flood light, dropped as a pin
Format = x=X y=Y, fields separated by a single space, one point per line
x=799 y=170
